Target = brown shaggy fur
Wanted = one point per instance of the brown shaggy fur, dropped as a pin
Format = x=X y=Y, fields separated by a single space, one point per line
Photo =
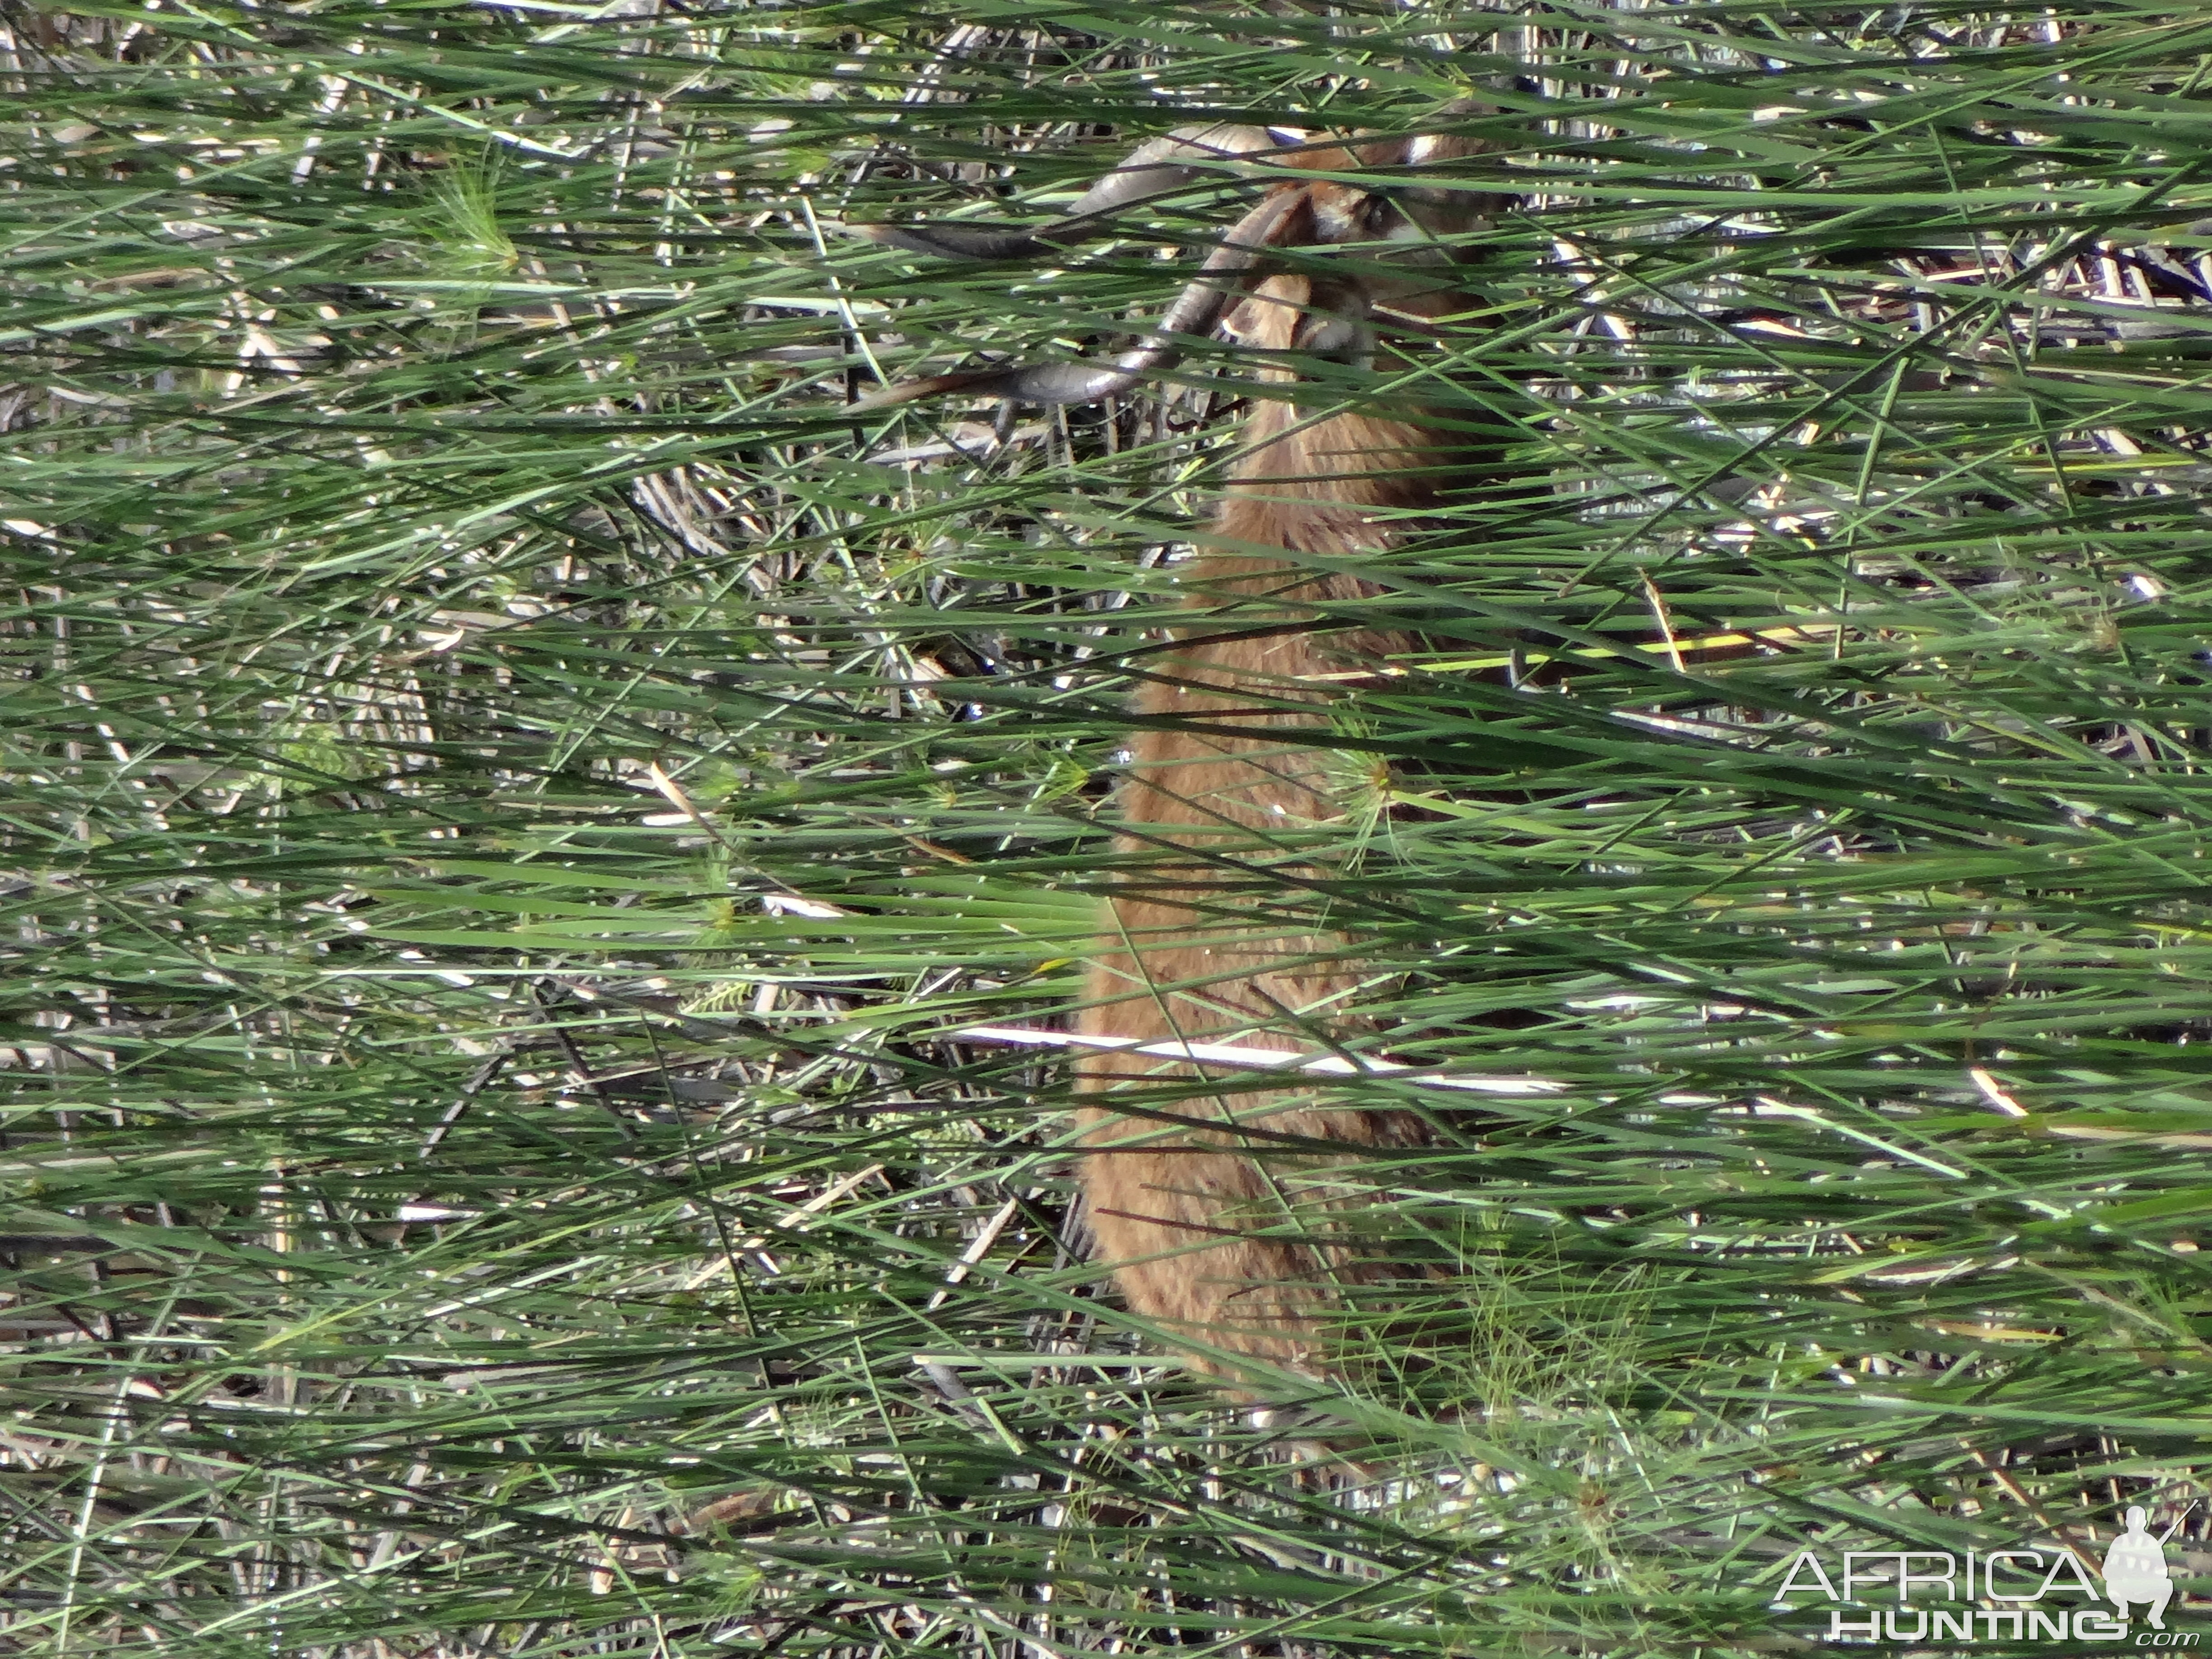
x=1205 y=1237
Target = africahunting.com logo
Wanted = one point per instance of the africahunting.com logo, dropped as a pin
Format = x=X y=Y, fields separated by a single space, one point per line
x=2043 y=1594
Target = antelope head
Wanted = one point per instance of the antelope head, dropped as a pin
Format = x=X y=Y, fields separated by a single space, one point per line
x=1315 y=312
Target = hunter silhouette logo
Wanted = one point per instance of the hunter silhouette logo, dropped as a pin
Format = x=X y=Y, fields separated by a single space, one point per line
x=2035 y=1594
x=2135 y=1568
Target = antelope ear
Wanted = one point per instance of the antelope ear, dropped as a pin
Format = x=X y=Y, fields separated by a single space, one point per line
x=1446 y=209
x=1267 y=318
x=1426 y=148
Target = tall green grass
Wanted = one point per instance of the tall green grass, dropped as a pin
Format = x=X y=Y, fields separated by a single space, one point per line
x=509 y=789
